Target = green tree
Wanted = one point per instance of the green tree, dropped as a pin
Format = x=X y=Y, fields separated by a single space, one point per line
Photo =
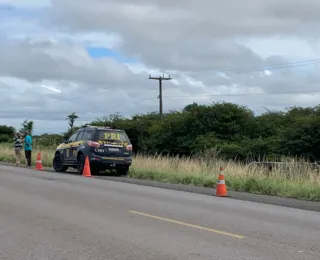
x=233 y=130
x=71 y=119
x=301 y=137
x=6 y=133
x=27 y=126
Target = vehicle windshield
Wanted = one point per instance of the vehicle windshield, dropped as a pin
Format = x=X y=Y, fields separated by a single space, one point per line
x=111 y=135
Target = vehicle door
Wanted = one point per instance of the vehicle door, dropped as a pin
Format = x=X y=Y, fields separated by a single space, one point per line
x=76 y=145
x=69 y=147
x=87 y=136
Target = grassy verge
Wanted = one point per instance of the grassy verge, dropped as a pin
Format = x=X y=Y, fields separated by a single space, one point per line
x=293 y=182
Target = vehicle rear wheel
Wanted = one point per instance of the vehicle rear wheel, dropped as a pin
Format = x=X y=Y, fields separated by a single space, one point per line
x=122 y=171
x=57 y=164
x=80 y=163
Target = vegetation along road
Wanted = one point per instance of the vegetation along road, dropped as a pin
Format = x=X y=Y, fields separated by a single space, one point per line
x=198 y=172
x=61 y=216
x=196 y=141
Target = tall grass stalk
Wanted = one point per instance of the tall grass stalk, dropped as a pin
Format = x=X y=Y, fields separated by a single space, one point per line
x=294 y=179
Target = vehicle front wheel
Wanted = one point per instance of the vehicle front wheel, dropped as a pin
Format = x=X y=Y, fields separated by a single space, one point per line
x=57 y=164
x=80 y=163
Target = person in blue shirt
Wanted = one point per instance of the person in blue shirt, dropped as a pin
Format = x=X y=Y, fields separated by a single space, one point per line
x=28 y=147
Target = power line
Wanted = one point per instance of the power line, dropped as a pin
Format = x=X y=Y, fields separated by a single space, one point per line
x=218 y=95
x=61 y=99
x=160 y=92
x=214 y=95
x=248 y=94
x=208 y=95
x=194 y=74
x=285 y=65
x=281 y=66
x=105 y=109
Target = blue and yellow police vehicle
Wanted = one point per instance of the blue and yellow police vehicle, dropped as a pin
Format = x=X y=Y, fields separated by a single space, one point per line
x=105 y=148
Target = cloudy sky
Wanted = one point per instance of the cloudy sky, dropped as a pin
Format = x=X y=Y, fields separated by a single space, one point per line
x=94 y=57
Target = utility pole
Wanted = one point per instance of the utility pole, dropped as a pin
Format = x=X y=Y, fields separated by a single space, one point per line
x=160 y=92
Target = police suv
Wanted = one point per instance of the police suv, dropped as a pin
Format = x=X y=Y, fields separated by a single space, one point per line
x=106 y=149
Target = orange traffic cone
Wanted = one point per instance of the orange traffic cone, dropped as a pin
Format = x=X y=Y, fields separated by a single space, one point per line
x=221 y=189
x=86 y=169
x=39 y=163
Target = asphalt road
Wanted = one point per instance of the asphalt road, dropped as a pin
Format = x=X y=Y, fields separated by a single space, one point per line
x=46 y=215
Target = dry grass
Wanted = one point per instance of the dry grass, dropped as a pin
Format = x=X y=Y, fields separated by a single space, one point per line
x=295 y=180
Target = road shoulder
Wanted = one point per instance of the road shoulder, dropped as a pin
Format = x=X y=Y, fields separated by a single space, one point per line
x=264 y=199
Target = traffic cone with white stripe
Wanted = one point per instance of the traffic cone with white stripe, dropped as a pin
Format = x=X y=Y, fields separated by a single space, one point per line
x=221 y=189
x=39 y=163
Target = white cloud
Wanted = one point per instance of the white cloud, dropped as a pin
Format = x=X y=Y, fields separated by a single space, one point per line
x=47 y=73
x=27 y=3
x=53 y=89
